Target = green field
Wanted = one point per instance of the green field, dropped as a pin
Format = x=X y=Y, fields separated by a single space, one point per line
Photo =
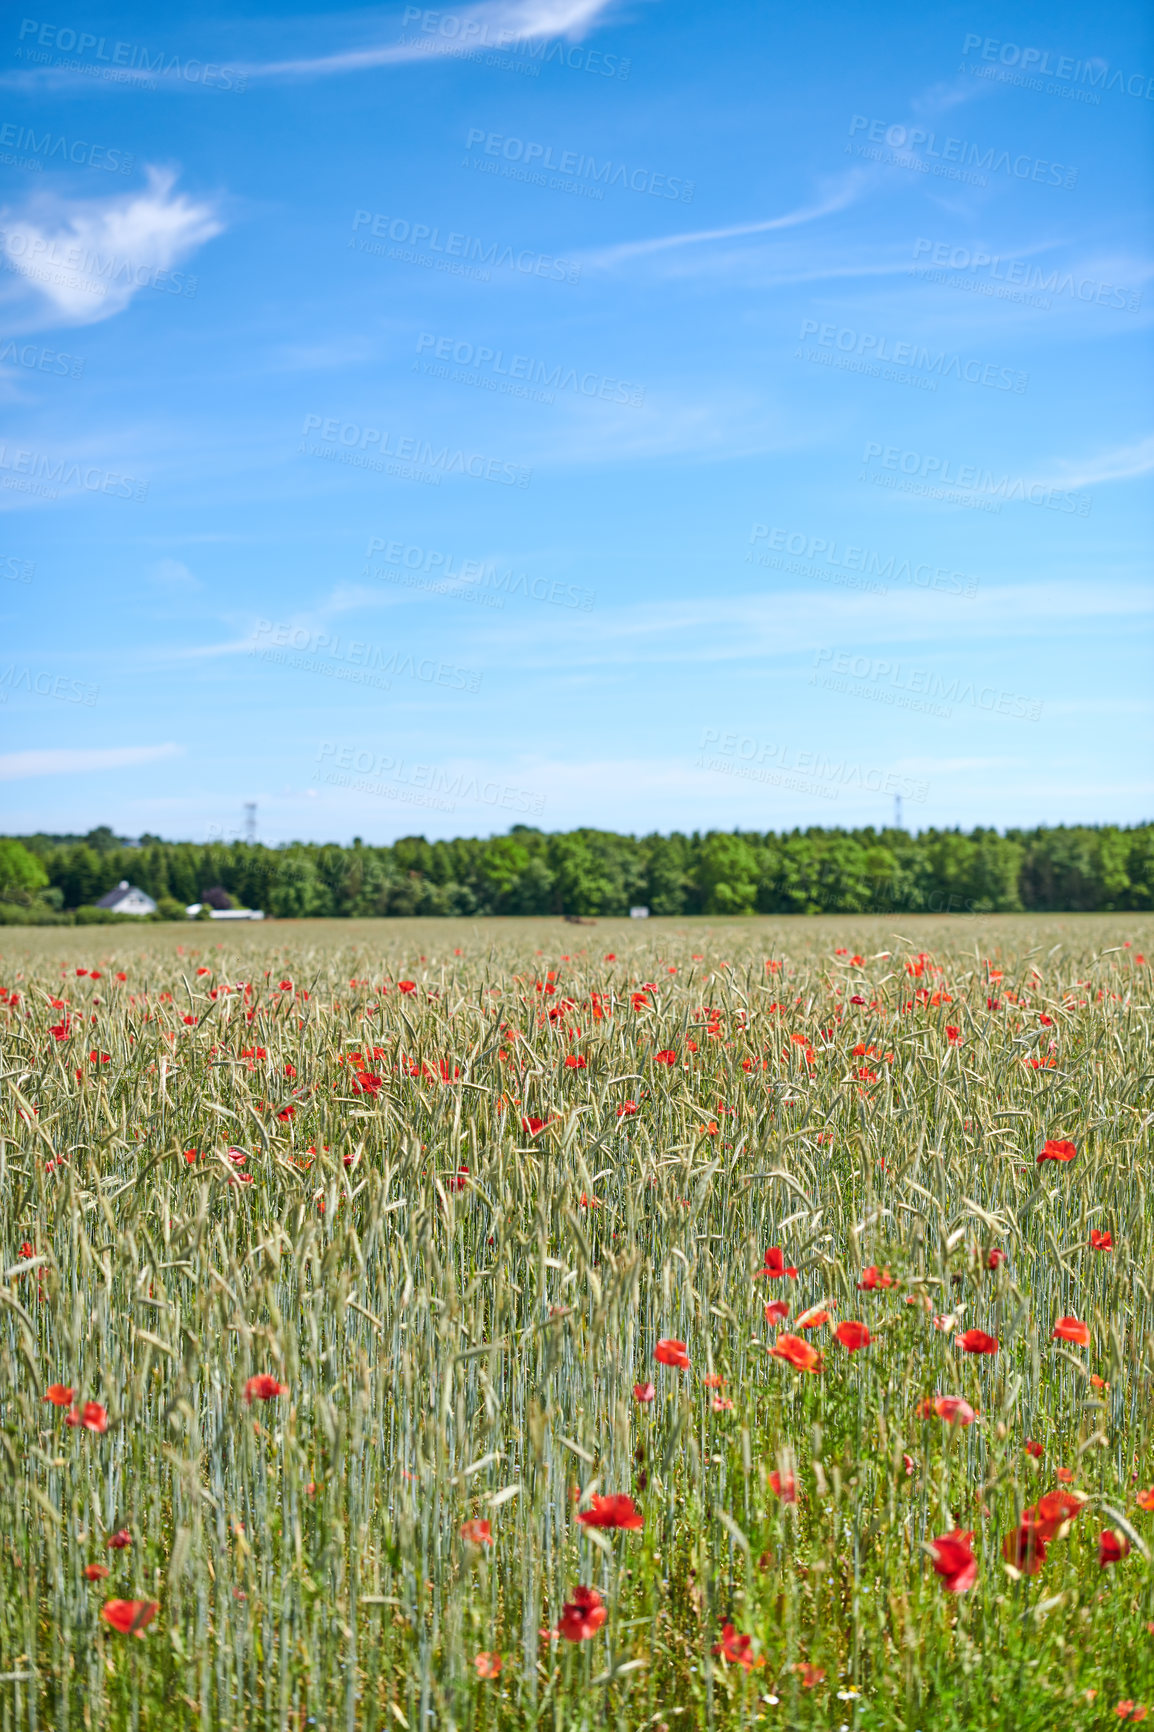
x=308 y=1277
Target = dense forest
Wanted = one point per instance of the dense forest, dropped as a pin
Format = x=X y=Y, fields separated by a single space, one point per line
x=597 y=872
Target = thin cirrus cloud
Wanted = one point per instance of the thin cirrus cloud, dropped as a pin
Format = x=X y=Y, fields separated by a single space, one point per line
x=493 y=23
x=73 y=761
x=1124 y=463
x=838 y=200
x=88 y=258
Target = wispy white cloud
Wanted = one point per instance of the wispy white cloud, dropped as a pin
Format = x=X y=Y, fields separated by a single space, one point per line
x=88 y=258
x=71 y=761
x=1123 y=463
x=172 y=574
x=491 y=24
x=843 y=196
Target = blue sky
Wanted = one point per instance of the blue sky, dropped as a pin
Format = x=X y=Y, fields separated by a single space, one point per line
x=648 y=415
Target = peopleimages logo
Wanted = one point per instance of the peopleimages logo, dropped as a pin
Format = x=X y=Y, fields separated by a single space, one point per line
x=43 y=259
x=482 y=358
x=38 y=472
x=1017 y=278
x=448 y=571
x=863 y=560
x=933 y=475
x=907 y=354
x=127 y=56
x=1094 y=72
x=59 y=686
x=39 y=359
x=462 y=34
x=431 y=778
x=883 y=681
x=458 y=254
x=575 y=165
x=366 y=447
x=53 y=146
x=324 y=653
x=957 y=154
x=802 y=772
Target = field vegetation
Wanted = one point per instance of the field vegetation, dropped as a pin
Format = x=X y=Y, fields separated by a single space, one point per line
x=513 y=1324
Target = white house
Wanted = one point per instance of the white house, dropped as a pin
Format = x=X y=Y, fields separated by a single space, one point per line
x=127 y=899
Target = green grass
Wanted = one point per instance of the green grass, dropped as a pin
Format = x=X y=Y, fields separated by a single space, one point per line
x=459 y=1325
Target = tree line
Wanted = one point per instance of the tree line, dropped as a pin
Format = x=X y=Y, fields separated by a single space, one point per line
x=589 y=872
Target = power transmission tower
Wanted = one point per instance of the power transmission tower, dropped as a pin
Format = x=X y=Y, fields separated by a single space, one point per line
x=250 y=821
x=897 y=811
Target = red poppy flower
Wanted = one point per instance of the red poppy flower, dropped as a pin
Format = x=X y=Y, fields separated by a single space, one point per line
x=532 y=1126
x=406 y=986
x=1057 y=1151
x=951 y=1408
x=1069 y=1329
x=574 y=1061
x=91 y=1416
x=953 y=1035
x=1052 y=1511
x=954 y=1560
x=96 y=1572
x=477 y=1533
x=59 y=1394
x=1127 y=1710
x=367 y=1082
x=874 y=1277
x=977 y=1341
x=666 y=1057
x=1066 y=1475
x=671 y=1352
x=775 y=1312
x=774 y=1268
x=1025 y=1548
x=813 y=1318
x=736 y=1648
x=1112 y=1547
x=488 y=1665
x=995 y=1259
x=644 y=1393
x=613 y=1511
x=1146 y=1499
x=853 y=1335
x=797 y=1353
x=1100 y=1241
x=627 y=1109
x=783 y=1486
x=713 y=1381
x=119 y=1541
x=809 y=1675
x=263 y=1388
x=1034 y=1449
x=129 y=1616
x=582 y=1616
